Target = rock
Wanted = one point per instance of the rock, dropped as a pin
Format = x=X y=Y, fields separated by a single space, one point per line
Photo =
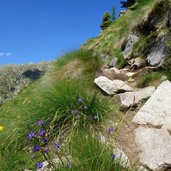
x=141 y=168
x=113 y=63
x=138 y=62
x=112 y=87
x=132 y=98
x=123 y=158
x=157 y=110
x=158 y=53
x=132 y=39
x=155 y=146
x=130 y=74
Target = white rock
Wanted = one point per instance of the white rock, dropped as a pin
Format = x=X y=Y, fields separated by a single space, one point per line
x=157 y=110
x=155 y=146
x=112 y=87
x=132 y=98
x=123 y=158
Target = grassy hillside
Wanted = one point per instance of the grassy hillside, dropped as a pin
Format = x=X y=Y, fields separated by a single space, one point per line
x=110 y=40
x=52 y=100
x=63 y=115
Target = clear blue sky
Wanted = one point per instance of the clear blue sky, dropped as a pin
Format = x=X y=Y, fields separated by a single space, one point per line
x=41 y=30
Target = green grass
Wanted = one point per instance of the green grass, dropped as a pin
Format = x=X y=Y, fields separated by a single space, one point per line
x=51 y=101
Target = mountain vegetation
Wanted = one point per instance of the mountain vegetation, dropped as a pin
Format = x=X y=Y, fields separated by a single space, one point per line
x=85 y=111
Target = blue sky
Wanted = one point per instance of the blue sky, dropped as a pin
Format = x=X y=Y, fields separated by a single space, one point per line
x=42 y=30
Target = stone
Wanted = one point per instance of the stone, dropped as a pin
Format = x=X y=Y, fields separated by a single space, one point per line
x=113 y=63
x=132 y=98
x=132 y=39
x=158 y=52
x=155 y=147
x=123 y=158
x=139 y=62
x=111 y=87
x=157 y=110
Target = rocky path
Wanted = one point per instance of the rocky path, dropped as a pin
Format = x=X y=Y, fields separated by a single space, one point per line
x=144 y=134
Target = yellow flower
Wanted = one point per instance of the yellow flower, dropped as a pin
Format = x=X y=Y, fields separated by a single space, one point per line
x=1 y=128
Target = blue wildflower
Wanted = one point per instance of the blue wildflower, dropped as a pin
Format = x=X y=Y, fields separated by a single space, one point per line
x=85 y=107
x=31 y=135
x=56 y=146
x=40 y=123
x=44 y=140
x=41 y=132
x=95 y=117
x=39 y=165
x=68 y=165
x=46 y=150
x=80 y=100
x=79 y=115
x=36 y=148
x=113 y=156
x=72 y=112
x=110 y=130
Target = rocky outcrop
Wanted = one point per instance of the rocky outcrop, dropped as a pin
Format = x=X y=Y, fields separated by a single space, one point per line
x=155 y=146
x=158 y=53
x=111 y=87
x=153 y=135
x=132 y=98
x=113 y=63
x=157 y=110
x=132 y=39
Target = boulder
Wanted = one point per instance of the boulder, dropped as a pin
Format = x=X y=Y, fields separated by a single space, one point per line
x=158 y=53
x=132 y=98
x=112 y=86
x=155 y=146
x=138 y=62
x=157 y=110
x=132 y=39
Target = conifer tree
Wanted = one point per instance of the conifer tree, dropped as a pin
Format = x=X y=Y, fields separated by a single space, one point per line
x=107 y=20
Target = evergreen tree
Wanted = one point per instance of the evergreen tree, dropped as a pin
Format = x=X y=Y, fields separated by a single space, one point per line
x=128 y=3
x=107 y=20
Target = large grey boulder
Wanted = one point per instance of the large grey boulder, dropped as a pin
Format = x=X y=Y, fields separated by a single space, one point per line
x=159 y=51
x=157 y=110
x=132 y=98
x=155 y=147
x=132 y=39
x=157 y=55
x=112 y=86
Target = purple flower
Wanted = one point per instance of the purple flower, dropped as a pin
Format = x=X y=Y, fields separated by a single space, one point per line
x=80 y=100
x=44 y=140
x=31 y=135
x=79 y=115
x=110 y=130
x=40 y=123
x=95 y=117
x=46 y=150
x=39 y=165
x=113 y=156
x=41 y=132
x=85 y=107
x=36 y=148
x=72 y=112
x=68 y=165
x=56 y=146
